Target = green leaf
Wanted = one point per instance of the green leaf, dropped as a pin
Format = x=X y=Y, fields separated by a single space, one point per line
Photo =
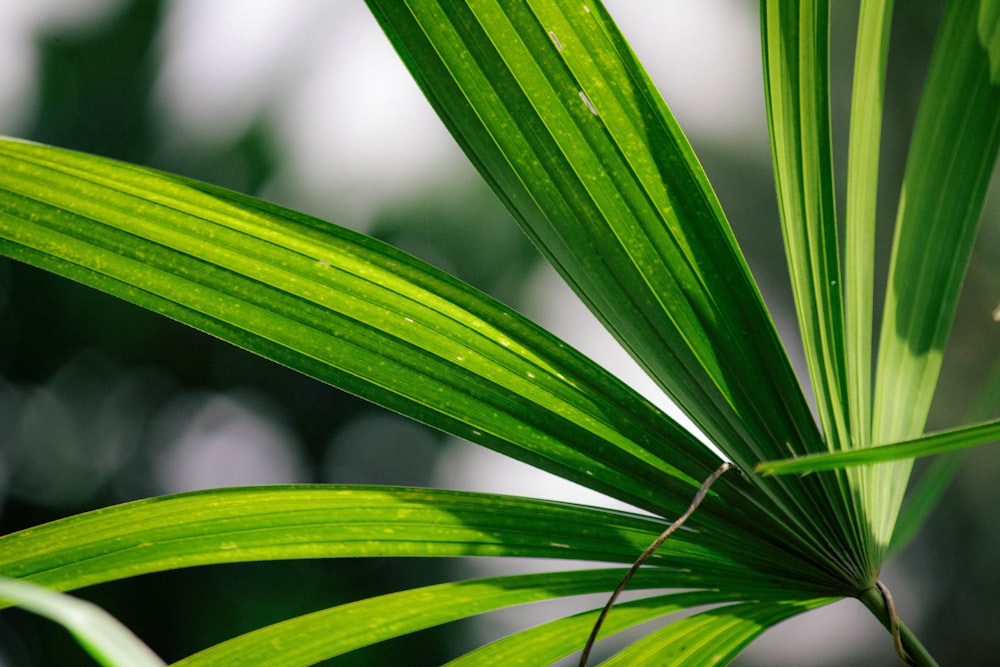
x=952 y=154
x=868 y=90
x=100 y=634
x=553 y=108
x=370 y=319
x=795 y=38
x=988 y=29
x=266 y=523
x=309 y=639
x=347 y=310
x=555 y=111
x=269 y=523
x=867 y=101
x=548 y=642
x=936 y=443
x=711 y=637
x=796 y=86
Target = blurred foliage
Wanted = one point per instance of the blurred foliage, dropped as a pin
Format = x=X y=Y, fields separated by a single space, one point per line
x=85 y=378
x=92 y=374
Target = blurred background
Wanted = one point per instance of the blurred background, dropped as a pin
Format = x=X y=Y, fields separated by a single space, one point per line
x=304 y=103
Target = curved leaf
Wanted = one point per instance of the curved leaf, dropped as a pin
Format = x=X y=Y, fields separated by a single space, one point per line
x=711 y=637
x=268 y=523
x=331 y=632
x=363 y=316
x=104 y=638
x=345 y=309
x=546 y=643
x=307 y=639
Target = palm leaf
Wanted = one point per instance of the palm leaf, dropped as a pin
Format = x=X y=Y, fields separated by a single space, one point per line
x=618 y=203
x=324 y=634
x=867 y=94
x=547 y=643
x=928 y=445
x=553 y=108
x=710 y=637
x=370 y=319
x=268 y=523
x=796 y=87
x=952 y=154
x=344 y=309
x=555 y=111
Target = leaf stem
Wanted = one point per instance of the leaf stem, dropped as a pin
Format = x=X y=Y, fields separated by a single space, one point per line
x=879 y=604
x=698 y=497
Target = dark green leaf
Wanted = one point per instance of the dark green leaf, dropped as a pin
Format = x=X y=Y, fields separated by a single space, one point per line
x=553 y=108
x=345 y=309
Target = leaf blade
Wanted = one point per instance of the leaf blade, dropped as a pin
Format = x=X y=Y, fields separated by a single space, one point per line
x=308 y=639
x=795 y=44
x=551 y=105
x=344 y=309
x=278 y=523
x=953 y=151
x=867 y=98
x=549 y=642
x=928 y=445
x=712 y=637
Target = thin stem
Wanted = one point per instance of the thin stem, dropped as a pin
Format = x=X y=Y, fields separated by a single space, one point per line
x=875 y=600
x=698 y=497
x=897 y=638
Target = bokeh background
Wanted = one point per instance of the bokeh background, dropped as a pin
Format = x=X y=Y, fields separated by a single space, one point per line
x=304 y=103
